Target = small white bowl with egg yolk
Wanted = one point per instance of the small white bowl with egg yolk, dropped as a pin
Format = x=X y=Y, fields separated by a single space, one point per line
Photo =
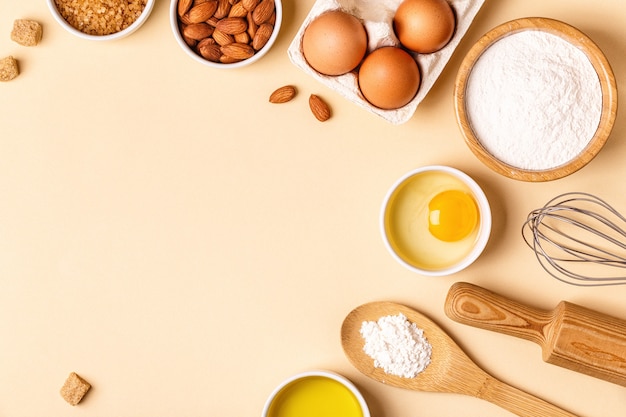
x=435 y=220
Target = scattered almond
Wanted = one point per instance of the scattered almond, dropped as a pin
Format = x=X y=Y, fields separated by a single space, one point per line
x=283 y=94
x=319 y=108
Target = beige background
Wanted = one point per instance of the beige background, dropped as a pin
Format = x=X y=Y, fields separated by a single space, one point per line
x=185 y=246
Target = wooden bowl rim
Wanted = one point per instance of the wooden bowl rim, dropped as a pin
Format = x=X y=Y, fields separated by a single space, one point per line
x=599 y=63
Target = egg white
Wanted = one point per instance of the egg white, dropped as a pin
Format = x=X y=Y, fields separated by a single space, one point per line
x=406 y=221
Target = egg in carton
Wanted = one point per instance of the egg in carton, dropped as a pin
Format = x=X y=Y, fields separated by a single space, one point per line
x=377 y=18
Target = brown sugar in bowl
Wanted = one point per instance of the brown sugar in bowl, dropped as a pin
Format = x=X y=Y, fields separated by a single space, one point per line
x=597 y=60
x=87 y=19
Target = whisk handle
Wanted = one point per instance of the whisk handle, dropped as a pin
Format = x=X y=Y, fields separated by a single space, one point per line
x=475 y=306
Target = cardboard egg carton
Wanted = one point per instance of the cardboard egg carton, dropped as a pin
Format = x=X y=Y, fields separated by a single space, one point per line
x=377 y=18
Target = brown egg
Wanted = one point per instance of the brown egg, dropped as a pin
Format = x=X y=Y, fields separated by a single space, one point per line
x=389 y=78
x=334 y=43
x=424 y=26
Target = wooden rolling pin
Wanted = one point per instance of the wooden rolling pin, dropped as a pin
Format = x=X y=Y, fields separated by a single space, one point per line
x=570 y=336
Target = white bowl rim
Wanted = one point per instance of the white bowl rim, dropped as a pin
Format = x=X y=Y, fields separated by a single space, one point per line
x=113 y=36
x=258 y=55
x=485 y=220
x=328 y=374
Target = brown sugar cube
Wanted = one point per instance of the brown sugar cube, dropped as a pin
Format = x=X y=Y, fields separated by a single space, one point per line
x=8 y=69
x=74 y=389
x=26 y=32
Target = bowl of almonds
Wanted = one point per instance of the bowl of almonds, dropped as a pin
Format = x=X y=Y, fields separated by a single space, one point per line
x=226 y=33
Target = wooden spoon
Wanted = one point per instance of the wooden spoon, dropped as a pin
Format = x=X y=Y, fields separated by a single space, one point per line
x=450 y=370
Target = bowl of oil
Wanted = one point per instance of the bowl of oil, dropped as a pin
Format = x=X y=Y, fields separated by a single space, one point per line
x=316 y=393
x=435 y=220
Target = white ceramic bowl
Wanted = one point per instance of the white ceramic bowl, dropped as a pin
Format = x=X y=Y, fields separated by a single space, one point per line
x=198 y=58
x=299 y=390
x=113 y=36
x=404 y=216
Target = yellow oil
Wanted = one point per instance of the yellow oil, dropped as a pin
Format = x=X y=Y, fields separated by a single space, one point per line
x=315 y=396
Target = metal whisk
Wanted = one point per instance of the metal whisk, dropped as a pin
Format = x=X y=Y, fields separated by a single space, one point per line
x=579 y=239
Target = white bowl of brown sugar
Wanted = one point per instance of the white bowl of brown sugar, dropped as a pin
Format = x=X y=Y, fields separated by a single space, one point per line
x=101 y=20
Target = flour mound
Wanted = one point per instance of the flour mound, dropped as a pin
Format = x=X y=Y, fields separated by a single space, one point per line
x=396 y=345
x=534 y=100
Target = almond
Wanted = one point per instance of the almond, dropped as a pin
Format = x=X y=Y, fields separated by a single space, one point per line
x=249 y=5
x=226 y=31
x=319 y=108
x=184 y=6
x=237 y=10
x=232 y=25
x=190 y=42
x=208 y=41
x=222 y=38
x=209 y=50
x=262 y=35
x=242 y=37
x=283 y=94
x=223 y=8
x=252 y=27
x=202 y=11
x=184 y=19
x=212 y=21
x=263 y=11
x=225 y=59
x=238 y=50
x=197 y=31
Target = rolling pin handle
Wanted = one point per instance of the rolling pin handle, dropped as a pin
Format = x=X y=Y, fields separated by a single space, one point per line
x=475 y=306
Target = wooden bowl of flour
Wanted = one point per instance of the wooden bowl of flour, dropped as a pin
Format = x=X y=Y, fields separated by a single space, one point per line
x=535 y=99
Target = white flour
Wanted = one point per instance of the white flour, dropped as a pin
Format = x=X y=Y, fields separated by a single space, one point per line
x=396 y=345
x=534 y=100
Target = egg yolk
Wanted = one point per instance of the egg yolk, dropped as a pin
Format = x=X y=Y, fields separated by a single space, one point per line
x=452 y=215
